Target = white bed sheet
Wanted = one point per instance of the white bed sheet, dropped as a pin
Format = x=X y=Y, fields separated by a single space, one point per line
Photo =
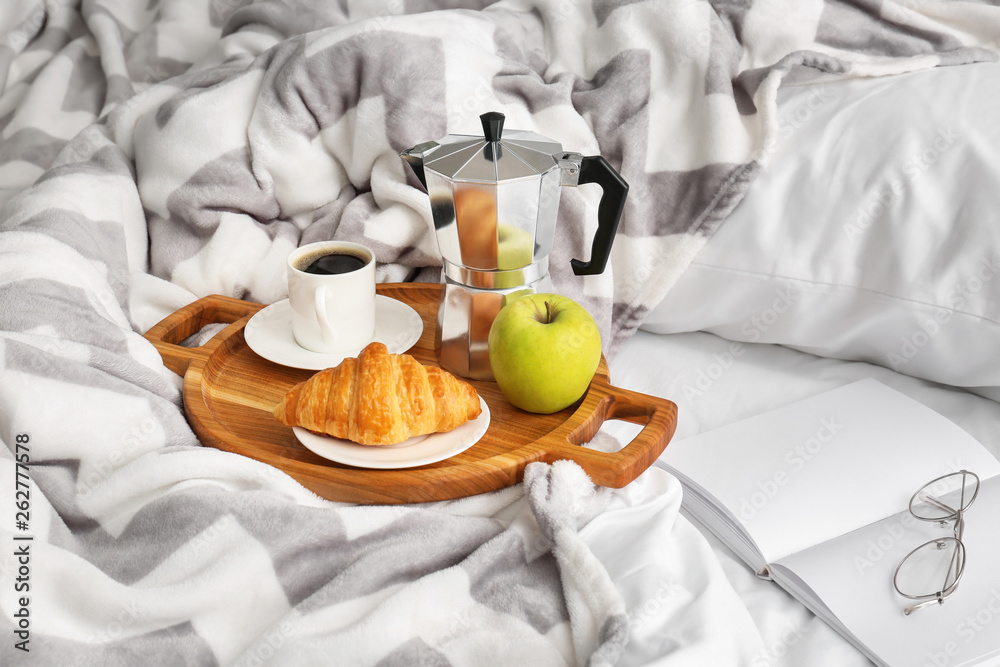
x=690 y=599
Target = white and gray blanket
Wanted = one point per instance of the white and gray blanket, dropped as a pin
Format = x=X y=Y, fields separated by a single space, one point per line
x=156 y=151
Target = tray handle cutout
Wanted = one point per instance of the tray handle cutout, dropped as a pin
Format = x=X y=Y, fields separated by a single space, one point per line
x=167 y=334
x=603 y=402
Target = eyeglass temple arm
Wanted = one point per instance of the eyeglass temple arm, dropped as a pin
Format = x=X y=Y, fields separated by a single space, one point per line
x=959 y=525
x=931 y=500
x=926 y=603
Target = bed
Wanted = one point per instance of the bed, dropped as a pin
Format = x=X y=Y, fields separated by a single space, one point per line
x=813 y=201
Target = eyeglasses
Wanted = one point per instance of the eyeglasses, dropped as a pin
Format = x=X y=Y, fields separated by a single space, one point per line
x=931 y=572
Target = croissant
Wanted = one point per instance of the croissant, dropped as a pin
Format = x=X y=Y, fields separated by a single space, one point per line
x=379 y=398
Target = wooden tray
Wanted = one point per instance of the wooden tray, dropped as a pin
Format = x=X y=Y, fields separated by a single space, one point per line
x=229 y=392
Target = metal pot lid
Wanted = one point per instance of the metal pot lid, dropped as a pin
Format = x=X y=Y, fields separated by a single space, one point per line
x=492 y=158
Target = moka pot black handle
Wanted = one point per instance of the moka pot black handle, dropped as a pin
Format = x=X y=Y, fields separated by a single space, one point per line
x=595 y=169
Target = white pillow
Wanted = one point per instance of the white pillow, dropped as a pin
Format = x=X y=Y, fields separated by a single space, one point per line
x=873 y=234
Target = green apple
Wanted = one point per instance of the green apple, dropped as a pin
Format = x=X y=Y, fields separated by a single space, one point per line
x=544 y=350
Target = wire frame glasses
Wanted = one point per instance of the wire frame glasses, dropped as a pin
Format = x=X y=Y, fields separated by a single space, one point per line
x=931 y=572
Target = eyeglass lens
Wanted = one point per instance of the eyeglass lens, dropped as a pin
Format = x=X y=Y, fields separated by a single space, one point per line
x=932 y=568
x=943 y=498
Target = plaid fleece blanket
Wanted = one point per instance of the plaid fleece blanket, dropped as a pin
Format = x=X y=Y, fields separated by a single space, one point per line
x=157 y=151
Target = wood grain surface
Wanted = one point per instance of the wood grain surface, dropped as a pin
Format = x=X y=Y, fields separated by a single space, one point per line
x=229 y=392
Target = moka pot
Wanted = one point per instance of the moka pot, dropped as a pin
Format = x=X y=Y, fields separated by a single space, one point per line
x=494 y=201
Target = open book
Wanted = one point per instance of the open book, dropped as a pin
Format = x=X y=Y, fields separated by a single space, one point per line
x=815 y=496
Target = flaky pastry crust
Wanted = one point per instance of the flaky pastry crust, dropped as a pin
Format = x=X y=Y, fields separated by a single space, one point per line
x=379 y=398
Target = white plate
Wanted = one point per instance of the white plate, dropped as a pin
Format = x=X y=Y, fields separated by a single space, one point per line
x=417 y=451
x=269 y=334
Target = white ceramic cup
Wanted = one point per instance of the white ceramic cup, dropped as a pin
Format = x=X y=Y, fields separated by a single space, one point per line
x=332 y=313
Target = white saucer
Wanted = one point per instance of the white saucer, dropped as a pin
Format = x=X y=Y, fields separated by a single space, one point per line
x=417 y=451
x=269 y=334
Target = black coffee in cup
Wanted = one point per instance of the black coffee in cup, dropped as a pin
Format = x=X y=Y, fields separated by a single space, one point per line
x=332 y=263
